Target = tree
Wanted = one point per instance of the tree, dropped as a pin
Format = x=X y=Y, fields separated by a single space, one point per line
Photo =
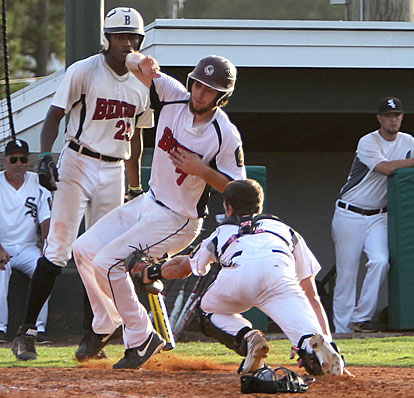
x=384 y=10
x=36 y=31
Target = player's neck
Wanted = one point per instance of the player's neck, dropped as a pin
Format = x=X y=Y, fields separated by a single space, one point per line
x=118 y=67
x=16 y=181
x=203 y=118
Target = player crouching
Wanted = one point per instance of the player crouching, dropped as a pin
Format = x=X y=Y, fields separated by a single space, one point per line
x=263 y=262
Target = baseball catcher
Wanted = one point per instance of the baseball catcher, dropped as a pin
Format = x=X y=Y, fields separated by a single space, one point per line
x=260 y=258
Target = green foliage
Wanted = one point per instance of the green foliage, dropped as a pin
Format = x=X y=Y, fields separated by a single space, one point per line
x=36 y=30
x=393 y=351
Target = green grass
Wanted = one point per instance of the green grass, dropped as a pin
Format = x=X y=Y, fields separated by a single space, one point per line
x=392 y=351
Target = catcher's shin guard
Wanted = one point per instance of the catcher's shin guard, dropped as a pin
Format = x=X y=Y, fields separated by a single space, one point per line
x=236 y=343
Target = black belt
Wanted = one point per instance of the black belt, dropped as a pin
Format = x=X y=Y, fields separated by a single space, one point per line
x=364 y=212
x=92 y=154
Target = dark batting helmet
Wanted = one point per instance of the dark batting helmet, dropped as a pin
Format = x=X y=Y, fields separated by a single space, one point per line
x=215 y=72
x=123 y=20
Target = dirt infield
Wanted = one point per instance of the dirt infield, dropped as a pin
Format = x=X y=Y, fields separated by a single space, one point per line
x=168 y=376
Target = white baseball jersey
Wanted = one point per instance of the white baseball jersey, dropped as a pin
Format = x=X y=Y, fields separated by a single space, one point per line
x=103 y=106
x=22 y=210
x=271 y=237
x=365 y=187
x=217 y=142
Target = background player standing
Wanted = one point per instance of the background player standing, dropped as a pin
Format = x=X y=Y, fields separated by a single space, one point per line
x=24 y=208
x=196 y=147
x=104 y=100
x=260 y=258
x=360 y=218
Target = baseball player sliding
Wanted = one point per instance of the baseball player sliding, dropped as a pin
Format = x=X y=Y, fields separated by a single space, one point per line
x=104 y=101
x=260 y=258
x=196 y=147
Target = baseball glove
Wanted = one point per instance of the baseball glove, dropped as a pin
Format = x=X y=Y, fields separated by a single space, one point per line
x=48 y=174
x=135 y=264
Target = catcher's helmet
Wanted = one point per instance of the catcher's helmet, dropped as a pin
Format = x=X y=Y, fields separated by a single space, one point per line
x=123 y=20
x=215 y=72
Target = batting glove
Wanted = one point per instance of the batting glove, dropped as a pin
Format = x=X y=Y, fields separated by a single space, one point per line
x=48 y=174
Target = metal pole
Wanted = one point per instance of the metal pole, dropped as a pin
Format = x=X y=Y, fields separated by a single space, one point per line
x=361 y=10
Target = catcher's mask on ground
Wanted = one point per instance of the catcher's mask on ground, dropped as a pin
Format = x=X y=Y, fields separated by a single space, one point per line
x=215 y=72
x=123 y=20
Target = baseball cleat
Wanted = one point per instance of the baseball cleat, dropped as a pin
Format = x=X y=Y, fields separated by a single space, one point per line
x=91 y=346
x=330 y=361
x=23 y=345
x=257 y=349
x=135 y=358
x=364 y=327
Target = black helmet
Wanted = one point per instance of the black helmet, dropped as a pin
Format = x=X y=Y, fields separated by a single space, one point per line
x=215 y=72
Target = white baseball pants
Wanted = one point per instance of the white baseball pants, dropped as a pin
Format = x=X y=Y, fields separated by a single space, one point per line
x=24 y=259
x=269 y=284
x=353 y=233
x=88 y=187
x=139 y=223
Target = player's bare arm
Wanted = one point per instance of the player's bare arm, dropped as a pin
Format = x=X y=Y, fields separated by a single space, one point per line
x=44 y=230
x=145 y=68
x=133 y=164
x=4 y=258
x=309 y=287
x=192 y=164
x=177 y=268
x=388 y=167
x=50 y=128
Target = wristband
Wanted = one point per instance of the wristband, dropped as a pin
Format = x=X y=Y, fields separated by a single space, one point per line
x=138 y=188
x=154 y=272
x=44 y=154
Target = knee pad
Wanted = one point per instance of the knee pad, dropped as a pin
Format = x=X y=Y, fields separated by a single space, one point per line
x=236 y=343
x=46 y=266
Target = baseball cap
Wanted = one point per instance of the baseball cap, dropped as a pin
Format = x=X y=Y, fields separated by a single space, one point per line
x=17 y=146
x=390 y=105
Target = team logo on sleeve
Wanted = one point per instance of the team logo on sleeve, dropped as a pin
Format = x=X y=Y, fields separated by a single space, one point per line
x=239 y=155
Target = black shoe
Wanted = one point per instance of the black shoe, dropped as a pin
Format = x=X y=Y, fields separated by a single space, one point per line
x=23 y=346
x=135 y=358
x=91 y=346
x=42 y=338
x=364 y=327
x=2 y=337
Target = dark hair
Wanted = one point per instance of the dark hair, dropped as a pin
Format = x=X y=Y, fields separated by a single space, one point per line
x=244 y=196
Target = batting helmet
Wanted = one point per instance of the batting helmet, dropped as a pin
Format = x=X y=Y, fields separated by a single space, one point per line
x=215 y=72
x=123 y=20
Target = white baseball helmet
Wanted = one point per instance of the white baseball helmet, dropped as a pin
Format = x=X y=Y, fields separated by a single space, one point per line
x=123 y=20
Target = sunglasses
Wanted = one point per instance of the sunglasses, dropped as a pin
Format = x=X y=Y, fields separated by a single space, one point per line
x=14 y=159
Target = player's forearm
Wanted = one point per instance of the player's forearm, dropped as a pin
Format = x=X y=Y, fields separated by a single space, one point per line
x=44 y=229
x=214 y=178
x=133 y=164
x=388 y=168
x=50 y=128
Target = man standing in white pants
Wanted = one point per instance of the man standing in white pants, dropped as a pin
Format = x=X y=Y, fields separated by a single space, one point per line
x=360 y=219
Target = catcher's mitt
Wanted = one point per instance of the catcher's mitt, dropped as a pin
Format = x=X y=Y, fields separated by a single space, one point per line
x=135 y=263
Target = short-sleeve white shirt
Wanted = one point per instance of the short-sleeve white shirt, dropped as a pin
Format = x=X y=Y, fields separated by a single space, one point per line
x=22 y=210
x=367 y=188
x=217 y=142
x=103 y=106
